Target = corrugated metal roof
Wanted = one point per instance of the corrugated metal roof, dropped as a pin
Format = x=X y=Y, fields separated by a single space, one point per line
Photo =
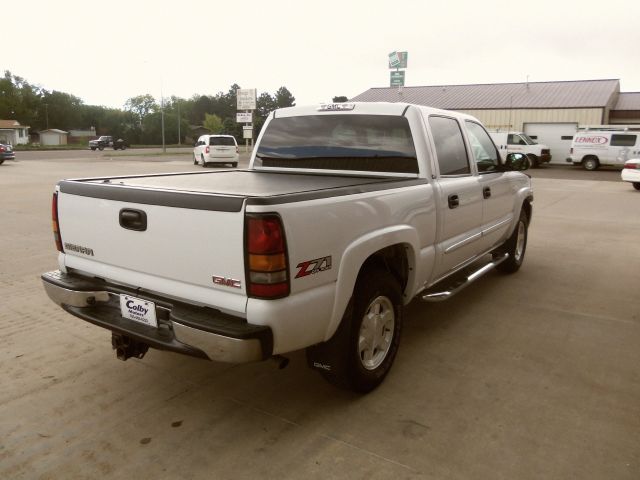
x=570 y=94
x=628 y=101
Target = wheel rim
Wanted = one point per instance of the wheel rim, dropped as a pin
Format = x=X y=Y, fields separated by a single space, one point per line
x=520 y=241
x=376 y=333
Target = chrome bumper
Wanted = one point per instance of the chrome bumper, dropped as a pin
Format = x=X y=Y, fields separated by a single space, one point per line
x=92 y=304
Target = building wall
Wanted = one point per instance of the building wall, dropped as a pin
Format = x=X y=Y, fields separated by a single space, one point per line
x=53 y=138
x=515 y=119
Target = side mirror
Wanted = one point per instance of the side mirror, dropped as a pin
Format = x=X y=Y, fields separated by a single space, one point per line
x=516 y=162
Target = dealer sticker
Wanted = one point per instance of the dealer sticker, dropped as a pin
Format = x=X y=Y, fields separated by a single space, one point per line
x=138 y=310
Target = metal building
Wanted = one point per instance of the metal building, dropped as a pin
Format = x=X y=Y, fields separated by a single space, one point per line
x=551 y=112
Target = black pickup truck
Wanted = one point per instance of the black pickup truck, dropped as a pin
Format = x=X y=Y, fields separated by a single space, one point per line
x=107 y=141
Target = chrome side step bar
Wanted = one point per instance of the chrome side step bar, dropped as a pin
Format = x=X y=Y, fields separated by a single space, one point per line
x=446 y=294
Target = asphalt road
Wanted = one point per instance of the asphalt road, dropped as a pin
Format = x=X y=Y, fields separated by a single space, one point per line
x=528 y=376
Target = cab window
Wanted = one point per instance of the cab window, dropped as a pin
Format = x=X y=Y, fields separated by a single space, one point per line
x=450 y=148
x=484 y=151
x=514 y=139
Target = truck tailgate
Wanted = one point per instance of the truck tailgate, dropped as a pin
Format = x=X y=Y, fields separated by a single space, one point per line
x=190 y=246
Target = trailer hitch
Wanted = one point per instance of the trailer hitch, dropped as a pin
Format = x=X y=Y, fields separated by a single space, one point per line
x=127 y=347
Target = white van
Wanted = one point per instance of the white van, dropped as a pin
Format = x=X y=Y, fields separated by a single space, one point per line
x=604 y=145
x=520 y=142
x=216 y=149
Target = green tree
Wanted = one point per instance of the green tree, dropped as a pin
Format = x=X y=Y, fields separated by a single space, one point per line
x=340 y=99
x=213 y=123
x=141 y=106
x=284 y=98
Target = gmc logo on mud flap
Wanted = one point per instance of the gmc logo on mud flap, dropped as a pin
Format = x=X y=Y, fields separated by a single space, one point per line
x=311 y=267
x=226 y=282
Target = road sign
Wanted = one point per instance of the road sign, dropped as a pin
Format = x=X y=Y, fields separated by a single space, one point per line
x=246 y=98
x=243 y=117
x=398 y=59
x=247 y=131
x=397 y=78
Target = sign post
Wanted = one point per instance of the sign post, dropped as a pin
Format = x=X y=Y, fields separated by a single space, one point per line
x=397 y=60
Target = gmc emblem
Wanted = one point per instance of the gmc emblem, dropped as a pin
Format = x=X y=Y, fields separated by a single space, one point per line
x=226 y=282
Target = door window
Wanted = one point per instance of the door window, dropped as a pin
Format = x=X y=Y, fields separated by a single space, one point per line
x=514 y=139
x=484 y=151
x=450 y=148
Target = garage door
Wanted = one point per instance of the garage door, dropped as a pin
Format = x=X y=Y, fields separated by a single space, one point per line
x=557 y=136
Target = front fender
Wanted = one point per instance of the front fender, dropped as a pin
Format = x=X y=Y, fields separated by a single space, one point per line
x=355 y=256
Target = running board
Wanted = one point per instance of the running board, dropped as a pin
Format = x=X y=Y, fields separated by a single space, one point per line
x=456 y=288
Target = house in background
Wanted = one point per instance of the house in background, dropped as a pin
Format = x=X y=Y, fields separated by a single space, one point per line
x=53 y=136
x=12 y=133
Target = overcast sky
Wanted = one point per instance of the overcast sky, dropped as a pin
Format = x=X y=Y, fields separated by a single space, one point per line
x=106 y=52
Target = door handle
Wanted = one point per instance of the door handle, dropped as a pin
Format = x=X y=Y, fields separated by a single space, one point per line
x=486 y=192
x=133 y=219
x=454 y=201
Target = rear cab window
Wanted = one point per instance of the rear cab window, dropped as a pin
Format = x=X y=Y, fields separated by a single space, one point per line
x=451 y=151
x=362 y=143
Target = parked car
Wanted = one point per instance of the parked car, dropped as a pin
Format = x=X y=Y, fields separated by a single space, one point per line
x=631 y=172
x=520 y=142
x=604 y=145
x=346 y=212
x=216 y=149
x=6 y=153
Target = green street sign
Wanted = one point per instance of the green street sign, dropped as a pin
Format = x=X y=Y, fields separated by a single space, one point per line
x=397 y=78
x=398 y=59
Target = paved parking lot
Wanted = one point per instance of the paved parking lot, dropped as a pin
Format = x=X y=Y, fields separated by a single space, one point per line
x=535 y=375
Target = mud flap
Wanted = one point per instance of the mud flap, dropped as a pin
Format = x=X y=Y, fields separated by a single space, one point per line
x=331 y=358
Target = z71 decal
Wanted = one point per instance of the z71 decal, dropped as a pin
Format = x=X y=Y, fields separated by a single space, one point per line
x=313 y=266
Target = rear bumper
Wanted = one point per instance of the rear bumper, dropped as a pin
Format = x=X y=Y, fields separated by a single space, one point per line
x=191 y=330
x=7 y=156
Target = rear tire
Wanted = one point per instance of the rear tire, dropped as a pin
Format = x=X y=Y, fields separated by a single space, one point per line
x=533 y=161
x=360 y=354
x=204 y=164
x=636 y=185
x=590 y=163
x=93 y=149
x=515 y=246
x=234 y=164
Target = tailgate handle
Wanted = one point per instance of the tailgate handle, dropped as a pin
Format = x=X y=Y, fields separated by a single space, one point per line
x=133 y=219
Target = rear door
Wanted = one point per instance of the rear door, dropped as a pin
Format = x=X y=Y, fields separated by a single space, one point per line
x=222 y=147
x=459 y=197
x=622 y=147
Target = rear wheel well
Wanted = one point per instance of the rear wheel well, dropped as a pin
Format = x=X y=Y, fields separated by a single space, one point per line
x=392 y=259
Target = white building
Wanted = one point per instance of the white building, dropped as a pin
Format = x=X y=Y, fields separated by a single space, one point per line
x=53 y=136
x=12 y=133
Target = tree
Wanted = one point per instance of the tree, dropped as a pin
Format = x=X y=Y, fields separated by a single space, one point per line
x=284 y=98
x=212 y=123
x=340 y=99
x=141 y=106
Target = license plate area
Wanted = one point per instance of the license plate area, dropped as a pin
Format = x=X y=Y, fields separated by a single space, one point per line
x=138 y=310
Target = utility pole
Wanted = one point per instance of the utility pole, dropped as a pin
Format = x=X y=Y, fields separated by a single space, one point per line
x=46 y=113
x=178 y=102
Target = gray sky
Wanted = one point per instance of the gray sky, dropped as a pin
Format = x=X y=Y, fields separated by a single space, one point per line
x=106 y=52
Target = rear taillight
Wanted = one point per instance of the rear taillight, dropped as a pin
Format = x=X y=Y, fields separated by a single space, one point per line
x=1 y=148
x=237 y=150
x=266 y=257
x=633 y=166
x=56 y=225
x=206 y=150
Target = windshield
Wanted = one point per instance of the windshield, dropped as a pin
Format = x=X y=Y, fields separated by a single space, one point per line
x=374 y=143
x=528 y=139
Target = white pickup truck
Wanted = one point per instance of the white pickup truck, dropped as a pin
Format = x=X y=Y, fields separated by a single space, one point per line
x=346 y=213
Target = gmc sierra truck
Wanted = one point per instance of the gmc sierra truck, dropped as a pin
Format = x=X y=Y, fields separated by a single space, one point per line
x=346 y=213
